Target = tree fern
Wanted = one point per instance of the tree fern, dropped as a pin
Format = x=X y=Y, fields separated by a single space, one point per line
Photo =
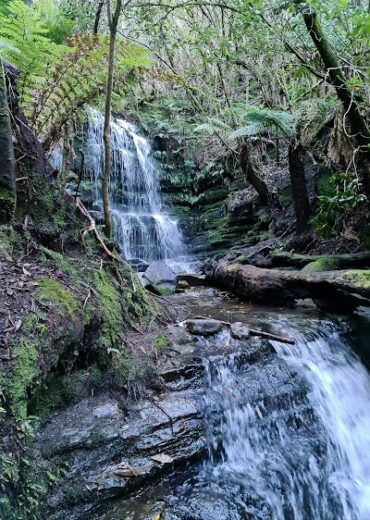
x=79 y=77
x=23 y=41
x=312 y=116
x=256 y=121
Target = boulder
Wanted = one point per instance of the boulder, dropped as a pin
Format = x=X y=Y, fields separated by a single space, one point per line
x=239 y=331
x=138 y=265
x=161 y=279
x=203 y=327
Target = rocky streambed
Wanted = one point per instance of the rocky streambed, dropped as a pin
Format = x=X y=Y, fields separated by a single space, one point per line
x=239 y=428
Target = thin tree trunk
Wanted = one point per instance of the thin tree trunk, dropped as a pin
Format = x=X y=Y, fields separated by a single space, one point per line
x=301 y=201
x=337 y=78
x=113 y=23
x=7 y=161
x=251 y=175
x=67 y=154
x=97 y=16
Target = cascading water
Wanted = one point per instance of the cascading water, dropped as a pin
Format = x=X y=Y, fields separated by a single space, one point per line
x=141 y=227
x=299 y=454
x=287 y=428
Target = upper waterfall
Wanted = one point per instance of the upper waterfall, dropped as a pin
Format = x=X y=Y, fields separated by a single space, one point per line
x=141 y=226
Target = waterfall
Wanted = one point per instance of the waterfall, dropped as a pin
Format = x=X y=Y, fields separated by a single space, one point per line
x=142 y=228
x=307 y=456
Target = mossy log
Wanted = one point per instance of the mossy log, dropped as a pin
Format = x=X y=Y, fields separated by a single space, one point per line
x=322 y=262
x=341 y=291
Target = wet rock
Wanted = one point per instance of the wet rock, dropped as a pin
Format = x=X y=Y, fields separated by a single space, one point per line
x=239 y=331
x=138 y=265
x=110 y=449
x=182 y=285
x=193 y=280
x=204 y=327
x=161 y=279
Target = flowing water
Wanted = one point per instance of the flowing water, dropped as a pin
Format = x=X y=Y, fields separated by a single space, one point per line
x=142 y=228
x=288 y=435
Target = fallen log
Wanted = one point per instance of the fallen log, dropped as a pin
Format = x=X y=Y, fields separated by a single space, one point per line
x=273 y=337
x=341 y=291
x=323 y=262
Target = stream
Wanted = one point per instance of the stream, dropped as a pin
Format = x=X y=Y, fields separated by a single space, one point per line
x=288 y=436
x=283 y=430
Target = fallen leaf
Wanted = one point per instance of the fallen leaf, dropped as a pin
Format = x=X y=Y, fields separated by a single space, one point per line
x=17 y=325
x=27 y=273
x=124 y=473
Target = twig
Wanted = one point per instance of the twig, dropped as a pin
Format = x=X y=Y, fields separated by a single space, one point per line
x=274 y=337
x=92 y=227
x=86 y=299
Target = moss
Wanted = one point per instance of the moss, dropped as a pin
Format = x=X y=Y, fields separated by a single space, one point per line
x=161 y=342
x=242 y=259
x=25 y=370
x=321 y=265
x=357 y=277
x=110 y=307
x=136 y=301
x=54 y=292
x=7 y=240
x=7 y=205
x=60 y=261
x=286 y=195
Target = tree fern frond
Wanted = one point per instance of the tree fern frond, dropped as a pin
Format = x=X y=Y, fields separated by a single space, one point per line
x=246 y=131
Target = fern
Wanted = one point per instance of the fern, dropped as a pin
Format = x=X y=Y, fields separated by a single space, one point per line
x=79 y=78
x=258 y=120
x=56 y=79
x=312 y=116
x=23 y=41
x=279 y=122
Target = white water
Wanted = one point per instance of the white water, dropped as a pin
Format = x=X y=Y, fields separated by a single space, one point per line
x=141 y=226
x=301 y=468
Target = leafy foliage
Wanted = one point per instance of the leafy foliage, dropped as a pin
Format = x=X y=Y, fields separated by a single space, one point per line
x=24 y=42
x=57 y=79
x=342 y=195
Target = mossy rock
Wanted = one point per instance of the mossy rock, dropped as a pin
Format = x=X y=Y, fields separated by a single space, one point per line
x=322 y=265
x=54 y=292
x=286 y=195
x=242 y=259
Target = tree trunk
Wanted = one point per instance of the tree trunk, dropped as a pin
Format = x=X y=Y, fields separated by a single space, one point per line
x=251 y=175
x=301 y=201
x=336 y=77
x=113 y=23
x=7 y=161
x=97 y=16
x=67 y=154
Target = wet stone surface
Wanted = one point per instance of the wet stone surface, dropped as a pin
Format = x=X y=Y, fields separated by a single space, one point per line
x=180 y=453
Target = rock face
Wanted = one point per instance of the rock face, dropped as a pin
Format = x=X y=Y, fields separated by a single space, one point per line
x=160 y=278
x=111 y=449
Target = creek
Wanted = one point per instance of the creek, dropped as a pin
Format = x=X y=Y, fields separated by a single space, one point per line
x=285 y=430
x=287 y=434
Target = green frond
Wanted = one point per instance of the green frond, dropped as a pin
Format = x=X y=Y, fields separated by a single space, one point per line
x=246 y=131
